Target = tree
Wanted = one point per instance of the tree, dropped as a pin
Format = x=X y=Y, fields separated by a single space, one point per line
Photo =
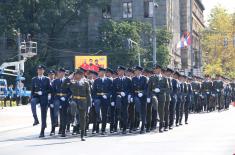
x=218 y=53
x=113 y=39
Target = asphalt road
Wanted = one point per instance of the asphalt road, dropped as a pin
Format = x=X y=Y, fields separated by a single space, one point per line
x=206 y=134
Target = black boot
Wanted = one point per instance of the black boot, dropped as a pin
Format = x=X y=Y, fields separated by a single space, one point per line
x=52 y=131
x=160 y=127
x=42 y=133
x=82 y=135
x=36 y=122
x=74 y=130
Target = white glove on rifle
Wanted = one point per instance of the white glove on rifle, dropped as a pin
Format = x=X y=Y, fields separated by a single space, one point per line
x=148 y=100
x=112 y=104
x=104 y=97
x=62 y=98
x=123 y=94
x=140 y=94
x=156 y=90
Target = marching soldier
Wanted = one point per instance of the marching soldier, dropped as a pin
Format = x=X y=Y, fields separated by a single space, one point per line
x=232 y=84
x=39 y=94
x=218 y=87
x=179 y=99
x=207 y=88
x=51 y=76
x=139 y=91
x=61 y=95
x=188 y=101
x=102 y=90
x=195 y=90
x=121 y=95
x=167 y=74
x=157 y=87
x=172 y=107
x=81 y=99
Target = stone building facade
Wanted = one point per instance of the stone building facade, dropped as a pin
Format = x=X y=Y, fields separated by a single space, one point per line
x=192 y=20
x=167 y=15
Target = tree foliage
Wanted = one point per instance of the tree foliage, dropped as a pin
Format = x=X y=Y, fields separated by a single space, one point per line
x=219 y=59
x=113 y=40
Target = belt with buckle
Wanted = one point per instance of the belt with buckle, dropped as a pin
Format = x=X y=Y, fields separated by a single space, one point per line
x=60 y=94
x=79 y=97
x=101 y=94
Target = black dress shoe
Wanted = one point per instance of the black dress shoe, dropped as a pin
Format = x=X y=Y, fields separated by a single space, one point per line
x=123 y=132
x=170 y=127
x=181 y=124
x=35 y=123
x=82 y=139
x=165 y=129
x=63 y=135
x=186 y=122
x=52 y=133
x=41 y=135
x=111 y=131
x=142 y=132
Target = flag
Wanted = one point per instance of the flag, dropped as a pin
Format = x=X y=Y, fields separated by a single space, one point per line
x=185 y=41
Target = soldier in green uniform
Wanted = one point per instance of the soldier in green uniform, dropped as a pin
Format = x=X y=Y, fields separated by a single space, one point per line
x=167 y=73
x=81 y=99
x=157 y=87
x=207 y=88
x=218 y=86
x=232 y=84
x=196 y=92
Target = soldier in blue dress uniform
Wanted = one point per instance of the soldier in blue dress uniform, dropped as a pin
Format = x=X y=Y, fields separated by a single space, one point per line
x=39 y=94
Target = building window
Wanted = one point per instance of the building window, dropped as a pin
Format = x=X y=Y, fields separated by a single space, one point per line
x=106 y=11
x=148 y=9
x=127 y=10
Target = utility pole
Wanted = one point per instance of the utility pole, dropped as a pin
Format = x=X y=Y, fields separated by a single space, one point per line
x=155 y=5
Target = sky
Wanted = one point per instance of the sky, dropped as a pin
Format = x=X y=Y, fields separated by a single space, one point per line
x=209 y=4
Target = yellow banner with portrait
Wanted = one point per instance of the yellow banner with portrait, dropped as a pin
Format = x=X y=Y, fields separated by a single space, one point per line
x=91 y=62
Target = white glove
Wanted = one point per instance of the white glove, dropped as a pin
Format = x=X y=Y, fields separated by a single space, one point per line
x=123 y=94
x=156 y=90
x=104 y=97
x=217 y=90
x=60 y=107
x=52 y=105
x=112 y=104
x=131 y=99
x=39 y=93
x=49 y=96
x=148 y=100
x=62 y=98
x=140 y=94
x=208 y=92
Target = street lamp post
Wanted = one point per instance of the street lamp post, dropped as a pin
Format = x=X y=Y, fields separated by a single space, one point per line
x=155 y=5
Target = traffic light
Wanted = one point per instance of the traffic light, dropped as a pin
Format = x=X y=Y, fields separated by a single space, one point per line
x=225 y=42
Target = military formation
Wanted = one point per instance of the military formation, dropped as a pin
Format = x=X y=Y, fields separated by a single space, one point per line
x=127 y=100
